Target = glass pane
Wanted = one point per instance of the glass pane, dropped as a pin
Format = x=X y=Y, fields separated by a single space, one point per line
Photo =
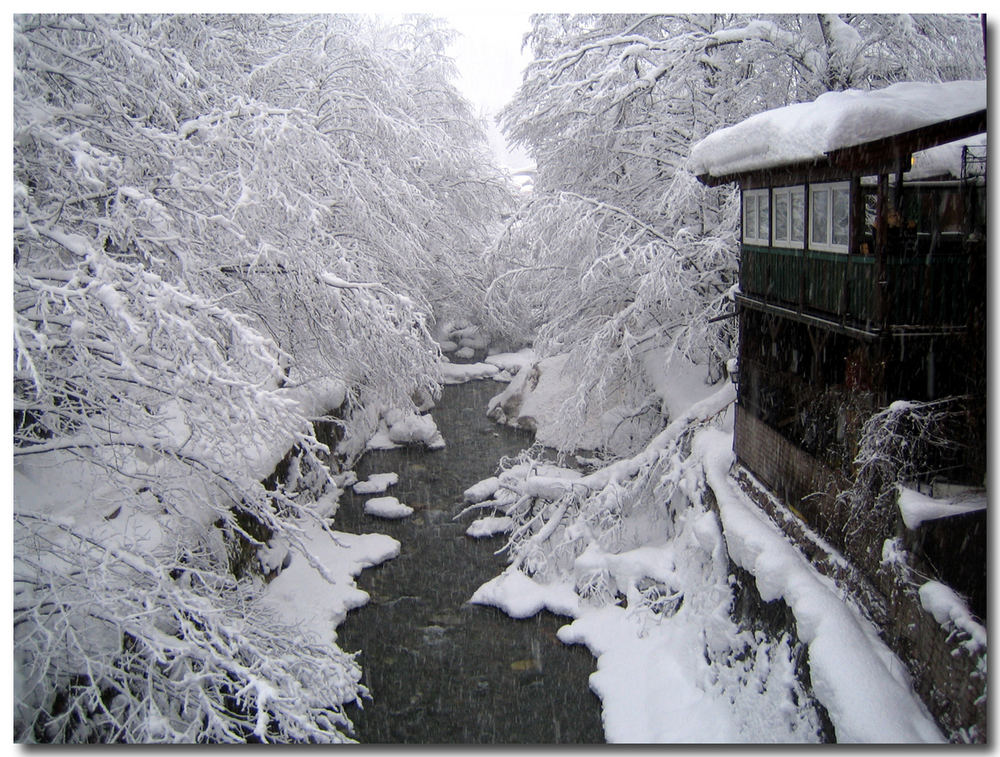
x=819 y=206
x=749 y=217
x=763 y=217
x=798 y=216
x=841 y=216
x=781 y=217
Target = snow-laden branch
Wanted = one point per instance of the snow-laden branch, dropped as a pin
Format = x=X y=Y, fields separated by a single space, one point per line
x=545 y=503
x=189 y=263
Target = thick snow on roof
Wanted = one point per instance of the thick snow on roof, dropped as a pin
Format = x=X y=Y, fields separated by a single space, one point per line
x=808 y=131
x=942 y=161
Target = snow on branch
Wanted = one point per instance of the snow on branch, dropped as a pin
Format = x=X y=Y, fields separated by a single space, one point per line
x=905 y=443
x=173 y=339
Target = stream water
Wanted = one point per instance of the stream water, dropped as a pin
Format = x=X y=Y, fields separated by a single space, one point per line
x=439 y=669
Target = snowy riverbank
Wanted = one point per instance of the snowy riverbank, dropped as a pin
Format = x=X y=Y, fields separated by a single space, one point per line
x=672 y=665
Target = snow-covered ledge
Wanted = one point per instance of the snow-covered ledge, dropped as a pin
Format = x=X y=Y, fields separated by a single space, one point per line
x=916 y=507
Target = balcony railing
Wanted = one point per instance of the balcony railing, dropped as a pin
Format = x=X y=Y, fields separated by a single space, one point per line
x=924 y=290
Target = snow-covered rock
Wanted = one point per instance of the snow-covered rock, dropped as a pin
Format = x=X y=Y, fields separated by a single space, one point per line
x=491 y=525
x=400 y=427
x=459 y=373
x=471 y=337
x=461 y=337
x=511 y=363
x=387 y=507
x=376 y=483
x=482 y=490
x=411 y=428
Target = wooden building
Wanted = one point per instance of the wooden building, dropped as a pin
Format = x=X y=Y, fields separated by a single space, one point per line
x=862 y=281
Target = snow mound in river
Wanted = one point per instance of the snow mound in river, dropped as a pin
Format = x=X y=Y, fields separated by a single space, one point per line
x=387 y=507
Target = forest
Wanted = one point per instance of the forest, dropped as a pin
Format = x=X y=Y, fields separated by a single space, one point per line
x=228 y=226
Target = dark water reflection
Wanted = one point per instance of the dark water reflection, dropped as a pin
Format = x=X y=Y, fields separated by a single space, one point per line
x=441 y=670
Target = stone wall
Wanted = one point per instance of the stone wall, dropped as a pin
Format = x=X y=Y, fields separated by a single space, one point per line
x=799 y=493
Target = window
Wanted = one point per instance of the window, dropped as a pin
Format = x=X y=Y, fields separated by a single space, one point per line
x=788 y=207
x=830 y=216
x=756 y=216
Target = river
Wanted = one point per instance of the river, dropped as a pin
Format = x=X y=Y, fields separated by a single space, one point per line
x=439 y=669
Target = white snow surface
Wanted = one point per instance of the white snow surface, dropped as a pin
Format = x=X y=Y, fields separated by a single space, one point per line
x=917 y=508
x=855 y=676
x=942 y=161
x=376 y=483
x=299 y=594
x=387 y=507
x=75 y=493
x=951 y=611
x=521 y=597
x=510 y=363
x=653 y=678
x=677 y=381
x=650 y=693
x=490 y=525
x=535 y=397
x=397 y=428
x=459 y=373
x=807 y=131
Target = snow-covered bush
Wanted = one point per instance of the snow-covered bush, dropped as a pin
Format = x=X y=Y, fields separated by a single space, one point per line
x=905 y=443
x=127 y=642
x=558 y=513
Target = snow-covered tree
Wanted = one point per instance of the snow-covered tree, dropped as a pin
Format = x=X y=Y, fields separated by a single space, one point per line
x=223 y=225
x=620 y=250
x=623 y=261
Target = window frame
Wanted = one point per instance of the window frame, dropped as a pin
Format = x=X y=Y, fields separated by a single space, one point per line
x=829 y=245
x=788 y=192
x=755 y=195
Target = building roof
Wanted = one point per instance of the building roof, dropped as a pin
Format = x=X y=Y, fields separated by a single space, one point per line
x=840 y=126
x=944 y=160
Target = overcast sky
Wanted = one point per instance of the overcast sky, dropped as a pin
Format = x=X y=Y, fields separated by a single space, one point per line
x=490 y=62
